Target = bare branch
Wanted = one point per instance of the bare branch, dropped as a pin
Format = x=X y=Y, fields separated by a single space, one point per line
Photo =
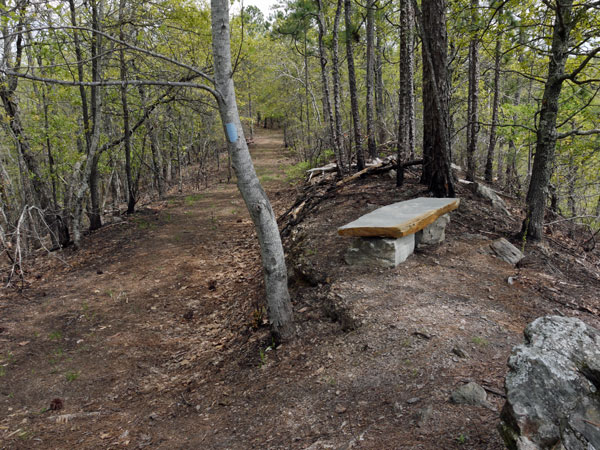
x=578 y=133
x=118 y=41
x=573 y=75
x=188 y=84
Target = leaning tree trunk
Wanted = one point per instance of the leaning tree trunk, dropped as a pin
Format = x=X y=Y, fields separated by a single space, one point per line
x=473 y=98
x=546 y=134
x=495 y=106
x=371 y=144
x=436 y=116
x=360 y=159
x=273 y=260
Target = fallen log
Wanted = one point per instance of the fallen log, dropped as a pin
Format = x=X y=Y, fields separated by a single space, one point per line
x=314 y=194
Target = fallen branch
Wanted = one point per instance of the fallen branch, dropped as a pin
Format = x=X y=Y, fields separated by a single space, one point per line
x=316 y=193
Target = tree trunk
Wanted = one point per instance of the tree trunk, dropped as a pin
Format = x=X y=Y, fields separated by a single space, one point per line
x=371 y=144
x=350 y=33
x=406 y=94
x=546 y=133
x=379 y=98
x=337 y=86
x=156 y=160
x=273 y=261
x=306 y=91
x=473 y=99
x=95 y=215
x=489 y=163
x=436 y=117
x=249 y=116
x=131 y=200
x=59 y=231
x=327 y=111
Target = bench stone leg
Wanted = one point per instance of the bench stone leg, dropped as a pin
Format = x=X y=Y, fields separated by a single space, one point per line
x=434 y=233
x=381 y=252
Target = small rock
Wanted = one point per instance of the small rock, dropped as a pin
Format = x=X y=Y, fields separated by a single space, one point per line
x=398 y=408
x=340 y=409
x=510 y=280
x=99 y=272
x=460 y=352
x=422 y=334
x=412 y=400
x=471 y=394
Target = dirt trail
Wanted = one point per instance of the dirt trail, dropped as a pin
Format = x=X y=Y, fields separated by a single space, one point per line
x=138 y=320
x=154 y=336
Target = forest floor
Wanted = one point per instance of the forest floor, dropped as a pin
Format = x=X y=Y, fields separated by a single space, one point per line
x=154 y=336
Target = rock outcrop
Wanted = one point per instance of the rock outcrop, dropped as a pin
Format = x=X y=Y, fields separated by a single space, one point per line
x=553 y=387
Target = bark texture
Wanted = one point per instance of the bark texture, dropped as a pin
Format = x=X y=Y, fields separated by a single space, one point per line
x=371 y=144
x=327 y=110
x=473 y=98
x=546 y=133
x=360 y=160
x=406 y=94
x=337 y=85
x=131 y=200
x=273 y=261
x=495 y=106
x=436 y=117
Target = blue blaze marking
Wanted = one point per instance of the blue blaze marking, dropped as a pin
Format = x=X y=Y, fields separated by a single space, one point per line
x=231 y=132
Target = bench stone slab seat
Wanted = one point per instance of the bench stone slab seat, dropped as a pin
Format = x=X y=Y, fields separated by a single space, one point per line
x=400 y=219
x=388 y=235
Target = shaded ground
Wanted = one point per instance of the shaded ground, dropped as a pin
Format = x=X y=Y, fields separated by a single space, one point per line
x=154 y=336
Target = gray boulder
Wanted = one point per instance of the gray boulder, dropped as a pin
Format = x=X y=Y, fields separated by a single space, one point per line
x=471 y=394
x=552 y=387
x=487 y=193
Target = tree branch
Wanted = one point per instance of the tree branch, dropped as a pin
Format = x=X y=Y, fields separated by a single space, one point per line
x=573 y=75
x=578 y=133
x=118 y=41
x=213 y=91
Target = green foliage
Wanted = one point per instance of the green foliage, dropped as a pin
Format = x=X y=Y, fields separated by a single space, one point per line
x=297 y=171
x=55 y=335
x=72 y=375
x=190 y=200
x=481 y=341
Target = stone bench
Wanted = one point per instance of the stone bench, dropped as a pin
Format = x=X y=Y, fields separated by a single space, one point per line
x=388 y=235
